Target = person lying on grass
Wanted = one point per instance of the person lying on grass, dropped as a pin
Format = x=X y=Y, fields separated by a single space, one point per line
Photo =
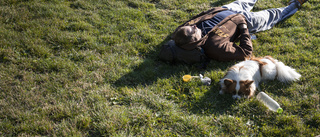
x=217 y=29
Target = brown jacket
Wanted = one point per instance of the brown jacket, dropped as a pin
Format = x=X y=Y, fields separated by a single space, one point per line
x=219 y=43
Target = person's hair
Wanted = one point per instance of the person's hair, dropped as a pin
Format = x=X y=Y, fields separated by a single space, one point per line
x=181 y=37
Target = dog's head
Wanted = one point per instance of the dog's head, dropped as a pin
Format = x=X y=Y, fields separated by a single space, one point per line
x=237 y=88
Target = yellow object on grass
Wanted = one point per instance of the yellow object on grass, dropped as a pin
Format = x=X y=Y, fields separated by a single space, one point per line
x=186 y=78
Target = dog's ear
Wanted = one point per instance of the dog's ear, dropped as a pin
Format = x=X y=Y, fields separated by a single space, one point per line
x=228 y=82
x=248 y=83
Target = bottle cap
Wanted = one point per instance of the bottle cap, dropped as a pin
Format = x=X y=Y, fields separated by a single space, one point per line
x=280 y=110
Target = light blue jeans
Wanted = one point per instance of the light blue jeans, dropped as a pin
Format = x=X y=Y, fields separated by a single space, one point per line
x=261 y=20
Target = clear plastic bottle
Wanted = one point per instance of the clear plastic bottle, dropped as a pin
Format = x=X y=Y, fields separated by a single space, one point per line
x=269 y=102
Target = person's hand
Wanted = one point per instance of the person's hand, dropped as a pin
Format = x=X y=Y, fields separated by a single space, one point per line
x=242 y=26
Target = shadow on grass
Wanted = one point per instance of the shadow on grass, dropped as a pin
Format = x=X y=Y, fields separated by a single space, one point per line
x=150 y=70
x=153 y=69
x=276 y=88
x=212 y=102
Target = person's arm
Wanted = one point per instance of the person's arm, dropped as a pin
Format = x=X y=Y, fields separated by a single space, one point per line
x=244 y=49
x=245 y=39
x=228 y=50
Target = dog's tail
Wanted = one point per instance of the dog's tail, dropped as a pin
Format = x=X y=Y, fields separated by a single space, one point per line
x=286 y=73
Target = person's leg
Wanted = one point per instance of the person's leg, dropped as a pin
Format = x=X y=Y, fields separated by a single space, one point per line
x=240 y=6
x=266 y=19
x=262 y=20
x=243 y=7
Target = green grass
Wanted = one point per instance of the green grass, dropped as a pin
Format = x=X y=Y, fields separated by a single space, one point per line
x=90 y=68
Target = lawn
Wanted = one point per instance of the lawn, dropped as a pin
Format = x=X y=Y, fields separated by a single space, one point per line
x=91 y=68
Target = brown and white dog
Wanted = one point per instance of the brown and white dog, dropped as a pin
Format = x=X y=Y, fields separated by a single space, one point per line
x=243 y=78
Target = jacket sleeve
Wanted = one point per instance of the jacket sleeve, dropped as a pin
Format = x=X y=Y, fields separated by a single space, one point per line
x=229 y=50
x=245 y=42
x=244 y=49
x=220 y=45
